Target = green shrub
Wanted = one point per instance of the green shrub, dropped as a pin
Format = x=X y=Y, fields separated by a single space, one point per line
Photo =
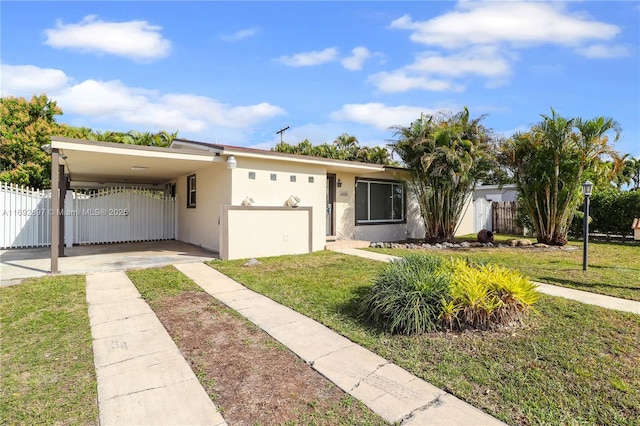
x=425 y=293
x=486 y=296
x=611 y=212
x=406 y=297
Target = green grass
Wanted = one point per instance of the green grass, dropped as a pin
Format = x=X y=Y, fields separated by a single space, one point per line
x=613 y=270
x=157 y=283
x=46 y=357
x=571 y=364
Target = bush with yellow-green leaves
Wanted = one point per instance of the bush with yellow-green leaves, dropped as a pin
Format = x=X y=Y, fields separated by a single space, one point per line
x=425 y=293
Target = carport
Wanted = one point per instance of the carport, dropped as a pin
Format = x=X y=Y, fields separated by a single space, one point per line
x=76 y=162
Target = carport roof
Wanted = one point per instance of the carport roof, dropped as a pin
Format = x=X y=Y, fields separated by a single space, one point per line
x=108 y=162
x=90 y=161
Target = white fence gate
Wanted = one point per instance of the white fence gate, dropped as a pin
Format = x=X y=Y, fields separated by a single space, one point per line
x=107 y=216
x=482 y=217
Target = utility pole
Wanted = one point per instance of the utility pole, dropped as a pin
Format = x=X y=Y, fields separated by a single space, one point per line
x=281 y=131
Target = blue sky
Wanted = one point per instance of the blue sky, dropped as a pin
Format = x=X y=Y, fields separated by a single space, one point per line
x=236 y=72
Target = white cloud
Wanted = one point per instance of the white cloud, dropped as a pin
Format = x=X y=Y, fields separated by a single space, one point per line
x=484 y=61
x=27 y=80
x=114 y=101
x=306 y=59
x=137 y=40
x=603 y=51
x=400 y=81
x=506 y=22
x=380 y=115
x=355 y=62
x=239 y=35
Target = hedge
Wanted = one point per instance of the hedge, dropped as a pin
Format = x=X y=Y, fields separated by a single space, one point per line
x=611 y=212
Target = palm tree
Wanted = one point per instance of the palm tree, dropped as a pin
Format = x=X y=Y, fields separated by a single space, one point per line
x=549 y=164
x=446 y=156
x=631 y=172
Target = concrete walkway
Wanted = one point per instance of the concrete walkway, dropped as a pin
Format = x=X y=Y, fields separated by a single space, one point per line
x=589 y=298
x=390 y=391
x=143 y=378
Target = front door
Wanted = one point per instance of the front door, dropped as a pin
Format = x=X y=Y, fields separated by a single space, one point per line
x=331 y=202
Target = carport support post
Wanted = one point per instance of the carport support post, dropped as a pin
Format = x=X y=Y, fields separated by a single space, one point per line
x=64 y=185
x=55 y=209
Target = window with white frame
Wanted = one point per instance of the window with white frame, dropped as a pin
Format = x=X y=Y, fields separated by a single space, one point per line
x=379 y=202
x=191 y=191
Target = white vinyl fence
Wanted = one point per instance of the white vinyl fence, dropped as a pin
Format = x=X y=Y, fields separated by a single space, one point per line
x=106 y=216
x=25 y=216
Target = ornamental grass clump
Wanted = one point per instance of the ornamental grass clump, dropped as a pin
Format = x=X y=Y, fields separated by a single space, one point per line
x=419 y=294
x=406 y=297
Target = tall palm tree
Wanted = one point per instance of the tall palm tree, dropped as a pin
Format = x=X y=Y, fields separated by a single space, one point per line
x=445 y=154
x=549 y=164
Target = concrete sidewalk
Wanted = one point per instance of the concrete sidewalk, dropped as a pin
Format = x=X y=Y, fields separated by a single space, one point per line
x=589 y=298
x=143 y=379
x=390 y=391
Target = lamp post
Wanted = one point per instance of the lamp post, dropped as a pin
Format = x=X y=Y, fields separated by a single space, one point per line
x=587 y=187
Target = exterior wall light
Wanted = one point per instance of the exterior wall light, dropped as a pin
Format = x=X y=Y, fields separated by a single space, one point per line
x=293 y=201
x=231 y=162
x=339 y=183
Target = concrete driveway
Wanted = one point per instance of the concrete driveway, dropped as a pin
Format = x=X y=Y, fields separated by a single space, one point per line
x=17 y=264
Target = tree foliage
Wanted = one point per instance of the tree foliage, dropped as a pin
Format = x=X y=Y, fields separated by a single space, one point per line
x=344 y=147
x=549 y=164
x=446 y=154
x=27 y=125
x=630 y=173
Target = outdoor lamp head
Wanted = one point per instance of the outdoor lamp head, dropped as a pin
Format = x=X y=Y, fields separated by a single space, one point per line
x=587 y=187
x=231 y=162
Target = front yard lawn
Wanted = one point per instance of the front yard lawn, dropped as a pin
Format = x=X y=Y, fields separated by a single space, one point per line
x=47 y=373
x=613 y=269
x=571 y=364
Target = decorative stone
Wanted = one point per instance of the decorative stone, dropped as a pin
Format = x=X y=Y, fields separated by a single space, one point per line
x=541 y=245
x=519 y=243
x=252 y=262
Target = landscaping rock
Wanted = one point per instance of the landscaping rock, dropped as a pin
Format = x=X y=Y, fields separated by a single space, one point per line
x=519 y=243
x=252 y=262
x=541 y=245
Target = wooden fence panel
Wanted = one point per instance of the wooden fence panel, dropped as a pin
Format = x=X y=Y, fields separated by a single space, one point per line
x=504 y=217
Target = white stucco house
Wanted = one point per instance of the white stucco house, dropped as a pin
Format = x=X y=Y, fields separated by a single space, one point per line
x=243 y=202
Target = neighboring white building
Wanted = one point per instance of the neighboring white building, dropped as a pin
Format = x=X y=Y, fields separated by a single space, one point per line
x=483 y=198
x=245 y=202
x=496 y=192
